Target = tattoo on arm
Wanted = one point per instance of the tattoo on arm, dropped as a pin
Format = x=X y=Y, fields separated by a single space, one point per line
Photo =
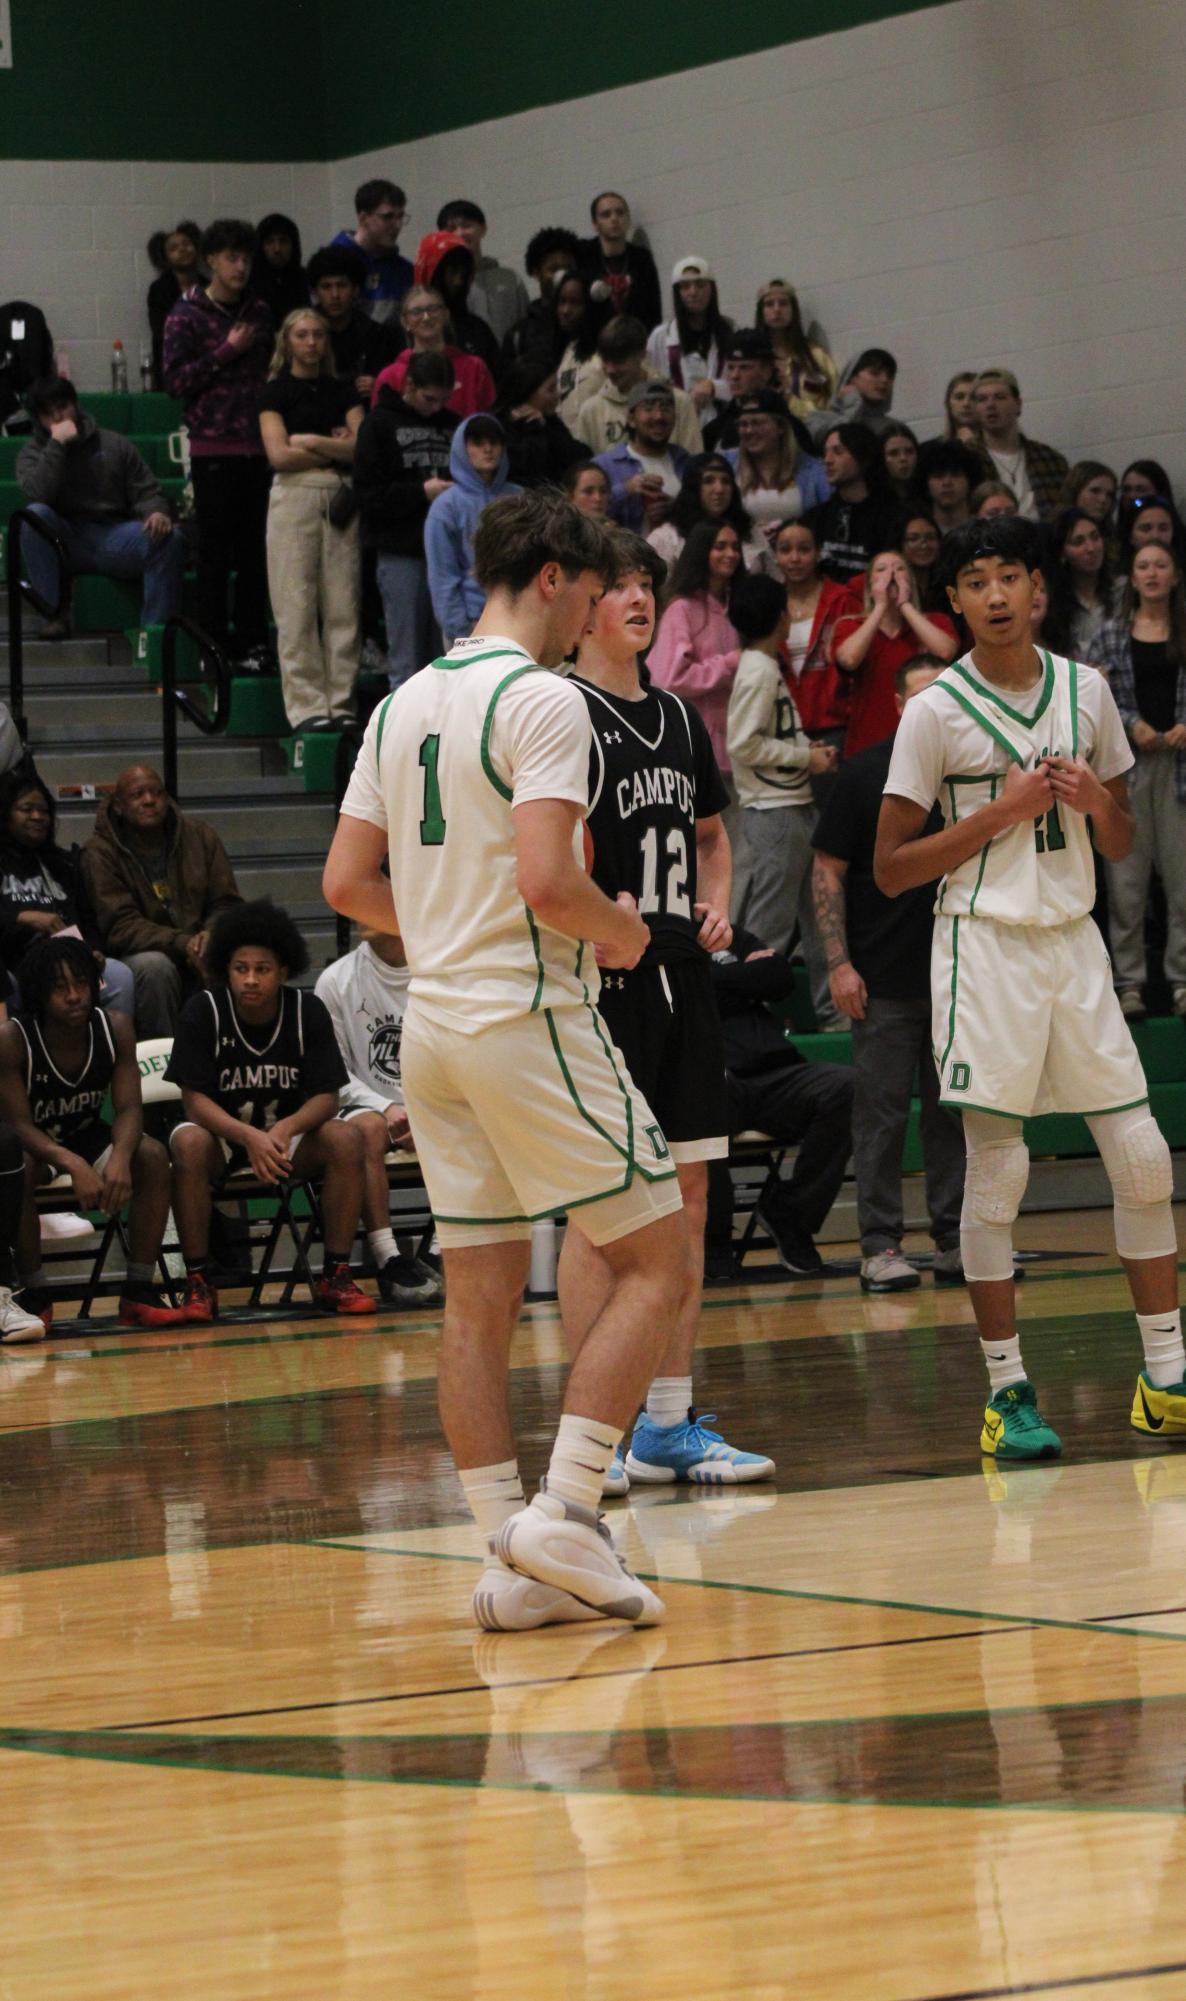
x=828 y=896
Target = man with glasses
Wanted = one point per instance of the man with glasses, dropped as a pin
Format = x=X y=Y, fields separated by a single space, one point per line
x=382 y=210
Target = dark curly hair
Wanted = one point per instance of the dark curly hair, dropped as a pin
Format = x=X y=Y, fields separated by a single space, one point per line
x=263 y=924
x=43 y=965
x=545 y=243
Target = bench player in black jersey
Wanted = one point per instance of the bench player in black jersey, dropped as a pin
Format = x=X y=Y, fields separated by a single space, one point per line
x=60 y=1061
x=657 y=836
x=260 y=1070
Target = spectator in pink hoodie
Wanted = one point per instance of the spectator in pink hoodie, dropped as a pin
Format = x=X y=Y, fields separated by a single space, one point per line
x=696 y=651
x=426 y=323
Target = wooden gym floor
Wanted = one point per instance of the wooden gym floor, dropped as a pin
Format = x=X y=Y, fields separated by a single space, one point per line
x=915 y=1728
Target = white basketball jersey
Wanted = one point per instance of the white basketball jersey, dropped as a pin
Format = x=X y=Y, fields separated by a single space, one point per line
x=1041 y=872
x=444 y=761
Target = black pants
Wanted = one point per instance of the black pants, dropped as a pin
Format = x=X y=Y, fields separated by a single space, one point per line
x=12 y=1197
x=231 y=504
x=808 y=1105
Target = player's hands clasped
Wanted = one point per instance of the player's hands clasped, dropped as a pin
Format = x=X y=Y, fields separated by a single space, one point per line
x=635 y=936
x=267 y=1153
x=1025 y=794
x=716 y=932
x=1074 y=783
x=116 y=1190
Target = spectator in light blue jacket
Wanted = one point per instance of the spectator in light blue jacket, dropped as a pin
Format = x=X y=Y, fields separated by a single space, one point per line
x=645 y=469
x=478 y=470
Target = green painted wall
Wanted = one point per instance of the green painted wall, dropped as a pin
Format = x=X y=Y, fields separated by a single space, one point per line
x=163 y=80
x=320 y=79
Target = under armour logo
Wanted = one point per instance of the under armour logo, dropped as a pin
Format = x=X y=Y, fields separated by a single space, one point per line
x=611 y=736
x=612 y=980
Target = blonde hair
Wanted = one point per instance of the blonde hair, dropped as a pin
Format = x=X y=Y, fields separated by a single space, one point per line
x=282 y=359
x=418 y=292
x=784 y=473
x=867 y=587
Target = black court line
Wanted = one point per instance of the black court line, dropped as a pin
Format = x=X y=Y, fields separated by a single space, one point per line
x=557 y=1680
x=1058 y=1986
x=1154 y=1612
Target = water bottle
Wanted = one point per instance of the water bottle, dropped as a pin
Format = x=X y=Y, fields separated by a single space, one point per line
x=119 y=369
x=146 y=366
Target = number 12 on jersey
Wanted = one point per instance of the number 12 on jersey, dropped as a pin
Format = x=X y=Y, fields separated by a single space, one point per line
x=432 y=825
x=674 y=898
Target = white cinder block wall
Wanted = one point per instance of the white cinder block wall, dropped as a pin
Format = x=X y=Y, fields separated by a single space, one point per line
x=994 y=180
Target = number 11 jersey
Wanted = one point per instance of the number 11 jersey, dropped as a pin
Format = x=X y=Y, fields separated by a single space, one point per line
x=652 y=775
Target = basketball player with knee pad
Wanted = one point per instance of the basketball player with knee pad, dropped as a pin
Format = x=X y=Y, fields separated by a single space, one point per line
x=1026 y=754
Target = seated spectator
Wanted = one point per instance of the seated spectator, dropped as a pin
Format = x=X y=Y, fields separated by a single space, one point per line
x=1092 y=486
x=497 y=295
x=540 y=447
x=805 y=371
x=479 y=473
x=176 y=257
x=695 y=649
x=749 y=367
x=947 y=474
x=260 y=1073
x=381 y=208
x=870 y=645
x=773 y=762
x=777 y=481
x=1151 y=518
x=1144 y=478
x=536 y=335
x=157 y=878
x=814 y=601
x=601 y=419
x=860 y=518
x=878 y=949
x=446 y=264
x=61 y=1060
x=1143 y=652
x=898 y=451
x=365 y=994
x=959 y=410
x=991 y=497
x=277 y=276
x=920 y=546
x=771 y=1088
x=622 y=272
x=1034 y=472
x=42 y=890
x=96 y=493
x=401 y=465
x=360 y=345
x=217 y=343
x=309 y=421
x=708 y=492
x=1084 y=590
x=687 y=348
x=579 y=373
x=645 y=469
x=426 y=325
x=18 y=1327
x=587 y=486
x=864 y=395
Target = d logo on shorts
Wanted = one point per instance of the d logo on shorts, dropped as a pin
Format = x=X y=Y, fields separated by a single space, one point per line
x=658 y=1143
x=959 y=1077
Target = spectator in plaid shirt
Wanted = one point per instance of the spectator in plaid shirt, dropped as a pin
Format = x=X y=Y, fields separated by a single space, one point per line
x=1143 y=653
x=1034 y=472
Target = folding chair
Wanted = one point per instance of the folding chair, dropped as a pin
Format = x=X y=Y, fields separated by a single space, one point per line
x=754 y=1149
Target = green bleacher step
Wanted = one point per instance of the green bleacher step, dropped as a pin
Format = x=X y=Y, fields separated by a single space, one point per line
x=104 y=604
x=257 y=706
x=312 y=756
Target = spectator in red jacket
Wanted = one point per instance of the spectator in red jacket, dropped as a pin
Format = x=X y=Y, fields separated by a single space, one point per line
x=426 y=322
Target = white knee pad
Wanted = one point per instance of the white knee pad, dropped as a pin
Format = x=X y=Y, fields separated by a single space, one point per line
x=994 y=1184
x=1134 y=1151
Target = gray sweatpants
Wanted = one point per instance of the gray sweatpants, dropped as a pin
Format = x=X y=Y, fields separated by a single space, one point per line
x=776 y=888
x=1160 y=843
x=892 y=1042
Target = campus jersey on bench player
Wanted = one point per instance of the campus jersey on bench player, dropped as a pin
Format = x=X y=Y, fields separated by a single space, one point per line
x=956 y=742
x=70 y=1109
x=257 y=1074
x=652 y=776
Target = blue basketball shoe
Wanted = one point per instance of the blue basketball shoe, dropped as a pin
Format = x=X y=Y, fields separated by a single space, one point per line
x=660 y=1454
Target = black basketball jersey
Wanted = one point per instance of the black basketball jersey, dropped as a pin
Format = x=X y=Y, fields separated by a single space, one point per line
x=69 y=1109
x=258 y=1075
x=652 y=776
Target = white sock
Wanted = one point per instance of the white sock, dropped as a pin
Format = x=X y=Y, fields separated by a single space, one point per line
x=494 y=1494
x=580 y=1459
x=1003 y=1361
x=1161 y=1338
x=668 y=1401
x=382 y=1243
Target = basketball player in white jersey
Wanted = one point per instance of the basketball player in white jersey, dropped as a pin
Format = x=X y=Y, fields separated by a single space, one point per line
x=1026 y=754
x=473 y=781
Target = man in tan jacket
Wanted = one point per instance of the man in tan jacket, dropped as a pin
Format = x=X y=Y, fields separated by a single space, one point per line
x=157 y=880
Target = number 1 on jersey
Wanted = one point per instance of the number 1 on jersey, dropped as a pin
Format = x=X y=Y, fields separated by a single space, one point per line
x=1053 y=838
x=432 y=826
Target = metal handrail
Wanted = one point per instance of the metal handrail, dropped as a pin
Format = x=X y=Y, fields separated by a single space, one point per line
x=21 y=590
x=177 y=701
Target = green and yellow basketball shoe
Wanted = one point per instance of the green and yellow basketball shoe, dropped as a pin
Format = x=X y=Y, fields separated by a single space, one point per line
x=1162 y=1413
x=1014 y=1427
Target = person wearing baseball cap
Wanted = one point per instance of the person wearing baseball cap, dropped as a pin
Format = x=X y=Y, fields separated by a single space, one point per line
x=688 y=346
x=748 y=362
x=645 y=469
x=778 y=481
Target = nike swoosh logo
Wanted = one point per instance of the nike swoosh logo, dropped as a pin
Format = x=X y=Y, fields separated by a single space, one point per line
x=1154 y=1423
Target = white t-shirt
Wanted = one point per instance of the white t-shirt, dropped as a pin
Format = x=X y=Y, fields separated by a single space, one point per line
x=663 y=468
x=444 y=761
x=955 y=743
x=1011 y=470
x=798 y=641
x=367 y=1000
